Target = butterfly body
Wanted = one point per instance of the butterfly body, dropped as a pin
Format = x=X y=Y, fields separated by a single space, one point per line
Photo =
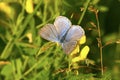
x=63 y=32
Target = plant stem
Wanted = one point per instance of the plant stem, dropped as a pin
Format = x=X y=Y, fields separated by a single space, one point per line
x=69 y=64
x=99 y=41
x=9 y=46
x=7 y=49
x=35 y=65
x=82 y=15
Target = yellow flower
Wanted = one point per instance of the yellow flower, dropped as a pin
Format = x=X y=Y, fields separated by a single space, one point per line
x=82 y=40
x=75 y=51
x=29 y=6
x=29 y=36
x=83 y=54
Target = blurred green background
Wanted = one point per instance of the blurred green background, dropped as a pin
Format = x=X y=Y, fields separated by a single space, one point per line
x=24 y=55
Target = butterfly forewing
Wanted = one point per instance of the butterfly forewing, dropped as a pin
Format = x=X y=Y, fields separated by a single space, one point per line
x=62 y=24
x=49 y=32
x=74 y=33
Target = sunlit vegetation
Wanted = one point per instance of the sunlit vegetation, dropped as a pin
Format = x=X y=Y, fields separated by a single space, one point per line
x=25 y=55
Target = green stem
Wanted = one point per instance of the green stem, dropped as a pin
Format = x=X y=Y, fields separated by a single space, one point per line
x=35 y=65
x=45 y=11
x=82 y=15
x=99 y=42
x=8 y=48
x=69 y=64
x=28 y=18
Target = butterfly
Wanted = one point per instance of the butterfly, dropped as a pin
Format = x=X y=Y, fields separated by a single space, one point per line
x=63 y=32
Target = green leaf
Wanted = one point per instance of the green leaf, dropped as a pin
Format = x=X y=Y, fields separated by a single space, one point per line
x=7 y=70
x=19 y=67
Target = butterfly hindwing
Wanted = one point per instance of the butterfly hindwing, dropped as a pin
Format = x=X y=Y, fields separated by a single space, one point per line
x=68 y=47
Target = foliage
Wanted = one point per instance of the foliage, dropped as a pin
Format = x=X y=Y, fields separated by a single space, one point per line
x=24 y=55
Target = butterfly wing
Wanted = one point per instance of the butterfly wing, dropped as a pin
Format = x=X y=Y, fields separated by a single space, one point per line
x=62 y=24
x=49 y=32
x=73 y=35
x=68 y=47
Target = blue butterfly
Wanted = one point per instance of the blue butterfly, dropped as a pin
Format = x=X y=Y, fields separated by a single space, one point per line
x=63 y=32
